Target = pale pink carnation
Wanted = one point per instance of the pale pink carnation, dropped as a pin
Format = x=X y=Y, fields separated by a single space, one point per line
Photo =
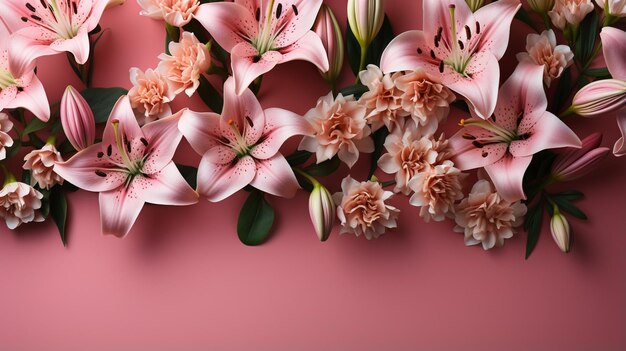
x=188 y=59
x=340 y=129
x=5 y=139
x=383 y=102
x=19 y=203
x=41 y=164
x=362 y=208
x=151 y=94
x=407 y=155
x=175 y=12
x=541 y=49
x=485 y=218
x=570 y=12
x=437 y=189
x=425 y=98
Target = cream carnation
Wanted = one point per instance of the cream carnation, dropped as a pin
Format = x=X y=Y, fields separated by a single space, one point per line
x=5 y=139
x=383 y=102
x=19 y=203
x=425 y=98
x=188 y=59
x=340 y=129
x=570 y=12
x=41 y=164
x=485 y=218
x=436 y=191
x=175 y=12
x=150 y=94
x=542 y=50
x=362 y=208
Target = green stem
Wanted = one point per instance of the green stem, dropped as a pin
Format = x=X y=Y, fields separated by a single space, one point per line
x=546 y=20
x=307 y=176
x=566 y=113
x=361 y=63
x=8 y=176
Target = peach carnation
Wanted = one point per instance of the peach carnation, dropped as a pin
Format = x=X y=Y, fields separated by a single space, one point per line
x=151 y=94
x=485 y=218
x=340 y=129
x=175 y=12
x=436 y=191
x=188 y=59
x=362 y=208
x=5 y=139
x=41 y=164
x=383 y=102
x=19 y=203
x=570 y=12
x=425 y=98
x=542 y=50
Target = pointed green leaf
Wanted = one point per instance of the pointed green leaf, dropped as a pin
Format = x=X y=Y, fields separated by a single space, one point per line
x=102 y=101
x=325 y=168
x=190 y=174
x=566 y=206
x=357 y=90
x=210 y=96
x=298 y=158
x=532 y=225
x=375 y=50
x=58 y=211
x=255 y=220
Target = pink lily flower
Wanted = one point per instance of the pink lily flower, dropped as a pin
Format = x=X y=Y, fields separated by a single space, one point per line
x=19 y=85
x=55 y=26
x=262 y=34
x=459 y=47
x=241 y=146
x=505 y=144
x=613 y=48
x=131 y=166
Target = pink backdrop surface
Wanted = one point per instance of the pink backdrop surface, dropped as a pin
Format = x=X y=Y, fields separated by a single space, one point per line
x=181 y=279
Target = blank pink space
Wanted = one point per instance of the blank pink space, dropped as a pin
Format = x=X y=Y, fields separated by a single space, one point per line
x=182 y=281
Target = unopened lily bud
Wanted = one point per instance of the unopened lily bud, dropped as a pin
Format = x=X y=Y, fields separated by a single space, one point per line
x=322 y=211
x=573 y=163
x=366 y=18
x=560 y=230
x=475 y=4
x=541 y=6
x=77 y=119
x=600 y=97
x=327 y=28
x=113 y=3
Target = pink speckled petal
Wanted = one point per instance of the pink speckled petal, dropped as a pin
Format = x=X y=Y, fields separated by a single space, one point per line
x=244 y=111
x=166 y=187
x=507 y=175
x=280 y=125
x=119 y=210
x=202 y=130
x=247 y=66
x=229 y=23
x=162 y=139
x=275 y=176
x=495 y=20
x=217 y=182
x=614 y=47
x=548 y=133
x=402 y=53
x=308 y=48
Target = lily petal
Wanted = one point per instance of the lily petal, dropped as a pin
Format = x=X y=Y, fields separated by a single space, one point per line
x=308 y=48
x=467 y=156
x=166 y=187
x=437 y=14
x=296 y=20
x=162 y=139
x=119 y=210
x=481 y=89
x=507 y=175
x=247 y=66
x=495 y=20
x=229 y=23
x=245 y=111
x=614 y=47
x=548 y=133
x=33 y=98
x=275 y=176
x=201 y=129
x=217 y=182
x=128 y=125
x=78 y=46
x=620 y=146
x=406 y=52
x=90 y=172
x=280 y=125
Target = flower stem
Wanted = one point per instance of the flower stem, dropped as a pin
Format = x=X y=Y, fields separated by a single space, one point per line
x=307 y=176
x=361 y=63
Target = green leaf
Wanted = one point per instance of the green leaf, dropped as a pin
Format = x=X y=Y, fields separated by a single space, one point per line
x=566 y=206
x=255 y=220
x=298 y=158
x=102 y=101
x=171 y=34
x=379 y=144
x=210 y=96
x=190 y=174
x=58 y=211
x=325 y=168
x=523 y=16
x=602 y=73
x=357 y=90
x=587 y=39
x=532 y=225
x=569 y=195
x=375 y=50
x=562 y=92
x=34 y=125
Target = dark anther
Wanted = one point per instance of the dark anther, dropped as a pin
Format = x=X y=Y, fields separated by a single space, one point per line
x=74 y=8
x=258 y=14
x=249 y=120
x=477 y=28
x=44 y=4
x=468 y=32
x=36 y=18
x=128 y=146
x=24 y=19
x=256 y=58
x=419 y=51
x=436 y=42
x=439 y=32
x=461 y=45
x=30 y=7
x=100 y=154
x=100 y=174
x=441 y=67
x=478 y=144
x=144 y=141
x=432 y=54
x=109 y=150
x=295 y=9
x=279 y=10
x=485 y=154
x=468 y=137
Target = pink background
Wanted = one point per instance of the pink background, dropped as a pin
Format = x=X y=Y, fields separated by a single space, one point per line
x=181 y=279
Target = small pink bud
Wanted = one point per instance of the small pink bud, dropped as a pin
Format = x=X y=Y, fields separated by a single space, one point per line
x=322 y=211
x=328 y=29
x=561 y=231
x=600 y=97
x=575 y=163
x=77 y=119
